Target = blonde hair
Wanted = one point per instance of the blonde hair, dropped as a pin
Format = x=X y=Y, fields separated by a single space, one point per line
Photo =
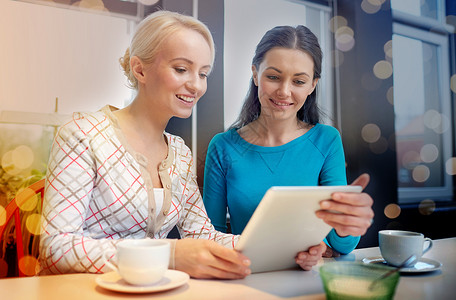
x=151 y=33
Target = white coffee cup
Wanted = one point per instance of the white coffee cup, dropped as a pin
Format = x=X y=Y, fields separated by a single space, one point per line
x=397 y=245
x=140 y=261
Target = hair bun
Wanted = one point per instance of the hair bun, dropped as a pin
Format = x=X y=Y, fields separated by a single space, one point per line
x=125 y=64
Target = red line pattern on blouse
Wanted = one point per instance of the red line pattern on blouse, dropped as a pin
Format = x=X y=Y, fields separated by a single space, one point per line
x=96 y=195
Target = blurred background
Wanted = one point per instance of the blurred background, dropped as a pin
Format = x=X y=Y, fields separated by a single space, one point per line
x=388 y=85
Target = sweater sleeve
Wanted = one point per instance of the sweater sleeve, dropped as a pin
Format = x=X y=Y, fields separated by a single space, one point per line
x=69 y=187
x=333 y=170
x=343 y=245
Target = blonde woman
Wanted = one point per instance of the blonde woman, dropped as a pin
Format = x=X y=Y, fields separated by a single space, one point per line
x=116 y=174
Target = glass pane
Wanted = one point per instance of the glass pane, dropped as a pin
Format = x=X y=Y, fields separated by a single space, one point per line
x=419 y=122
x=424 y=8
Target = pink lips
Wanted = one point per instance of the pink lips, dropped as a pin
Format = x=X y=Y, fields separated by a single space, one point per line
x=281 y=104
x=186 y=100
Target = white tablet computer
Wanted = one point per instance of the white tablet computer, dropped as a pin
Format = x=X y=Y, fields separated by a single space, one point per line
x=284 y=223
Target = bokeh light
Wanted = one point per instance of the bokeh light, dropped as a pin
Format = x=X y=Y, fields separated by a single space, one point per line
x=450 y=166
x=23 y=157
x=344 y=30
x=2 y=215
x=380 y=146
x=445 y=124
x=371 y=6
x=432 y=119
x=383 y=69
x=390 y=95
x=345 y=43
x=344 y=37
x=336 y=22
x=26 y=199
x=33 y=224
x=370 y=133
x=429 y=153
x=426 y=207
x=90 y=4
x=436 y=121
x=29 y=265
x=15 y=161
x=421 y=173
x=392 y=211
x=453 y=83
x=388 y=48
x=8 y=164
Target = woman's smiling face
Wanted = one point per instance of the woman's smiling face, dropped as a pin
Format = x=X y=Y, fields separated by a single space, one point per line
x=284 y=79
x=177 y=78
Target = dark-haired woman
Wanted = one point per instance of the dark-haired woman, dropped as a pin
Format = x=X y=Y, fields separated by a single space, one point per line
x=278 y=140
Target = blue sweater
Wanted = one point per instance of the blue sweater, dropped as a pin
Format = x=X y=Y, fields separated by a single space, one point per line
x=237 y=175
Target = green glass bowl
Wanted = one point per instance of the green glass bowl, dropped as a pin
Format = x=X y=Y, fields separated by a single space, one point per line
x=351 y=281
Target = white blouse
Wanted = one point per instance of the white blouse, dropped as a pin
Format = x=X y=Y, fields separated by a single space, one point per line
x=98 y=191
x=158 y=196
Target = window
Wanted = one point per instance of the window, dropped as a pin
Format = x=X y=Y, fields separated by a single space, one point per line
x=420 y=8
x=422 y=101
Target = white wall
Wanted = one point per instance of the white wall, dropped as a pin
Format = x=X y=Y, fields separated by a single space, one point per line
x=246 y=21
x=48 y=52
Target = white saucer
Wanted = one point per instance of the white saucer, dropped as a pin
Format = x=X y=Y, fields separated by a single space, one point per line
x=423 y=265
x=112 y=281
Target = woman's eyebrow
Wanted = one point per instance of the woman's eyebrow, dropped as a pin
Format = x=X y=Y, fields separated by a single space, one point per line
x=302 y=73
x=188 y=61
x=296 y=74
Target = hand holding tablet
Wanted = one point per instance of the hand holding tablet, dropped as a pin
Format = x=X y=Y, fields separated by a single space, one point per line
x=284 y=224
x=357 y=206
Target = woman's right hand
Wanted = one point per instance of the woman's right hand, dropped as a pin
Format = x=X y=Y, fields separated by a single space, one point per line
x=307 y=259
x=207 y=259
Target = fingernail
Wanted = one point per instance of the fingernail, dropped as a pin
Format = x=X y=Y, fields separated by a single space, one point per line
x=325 y=204
x=246 y=262
x=247 y=272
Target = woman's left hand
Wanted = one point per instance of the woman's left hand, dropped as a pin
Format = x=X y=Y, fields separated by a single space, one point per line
x=307 y=259
x=354 y=212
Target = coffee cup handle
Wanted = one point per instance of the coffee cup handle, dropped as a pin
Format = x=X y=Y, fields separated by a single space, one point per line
x=106 y=254
x=429 y=245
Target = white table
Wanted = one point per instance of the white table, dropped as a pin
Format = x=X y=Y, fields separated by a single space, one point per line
x=289 y=284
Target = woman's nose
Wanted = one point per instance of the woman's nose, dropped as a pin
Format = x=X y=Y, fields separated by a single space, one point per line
x=284 y=90
x=194 y=84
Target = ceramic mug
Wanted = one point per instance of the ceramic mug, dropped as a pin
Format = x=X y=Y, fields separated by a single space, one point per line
x=140 y=261
x=398 y=245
